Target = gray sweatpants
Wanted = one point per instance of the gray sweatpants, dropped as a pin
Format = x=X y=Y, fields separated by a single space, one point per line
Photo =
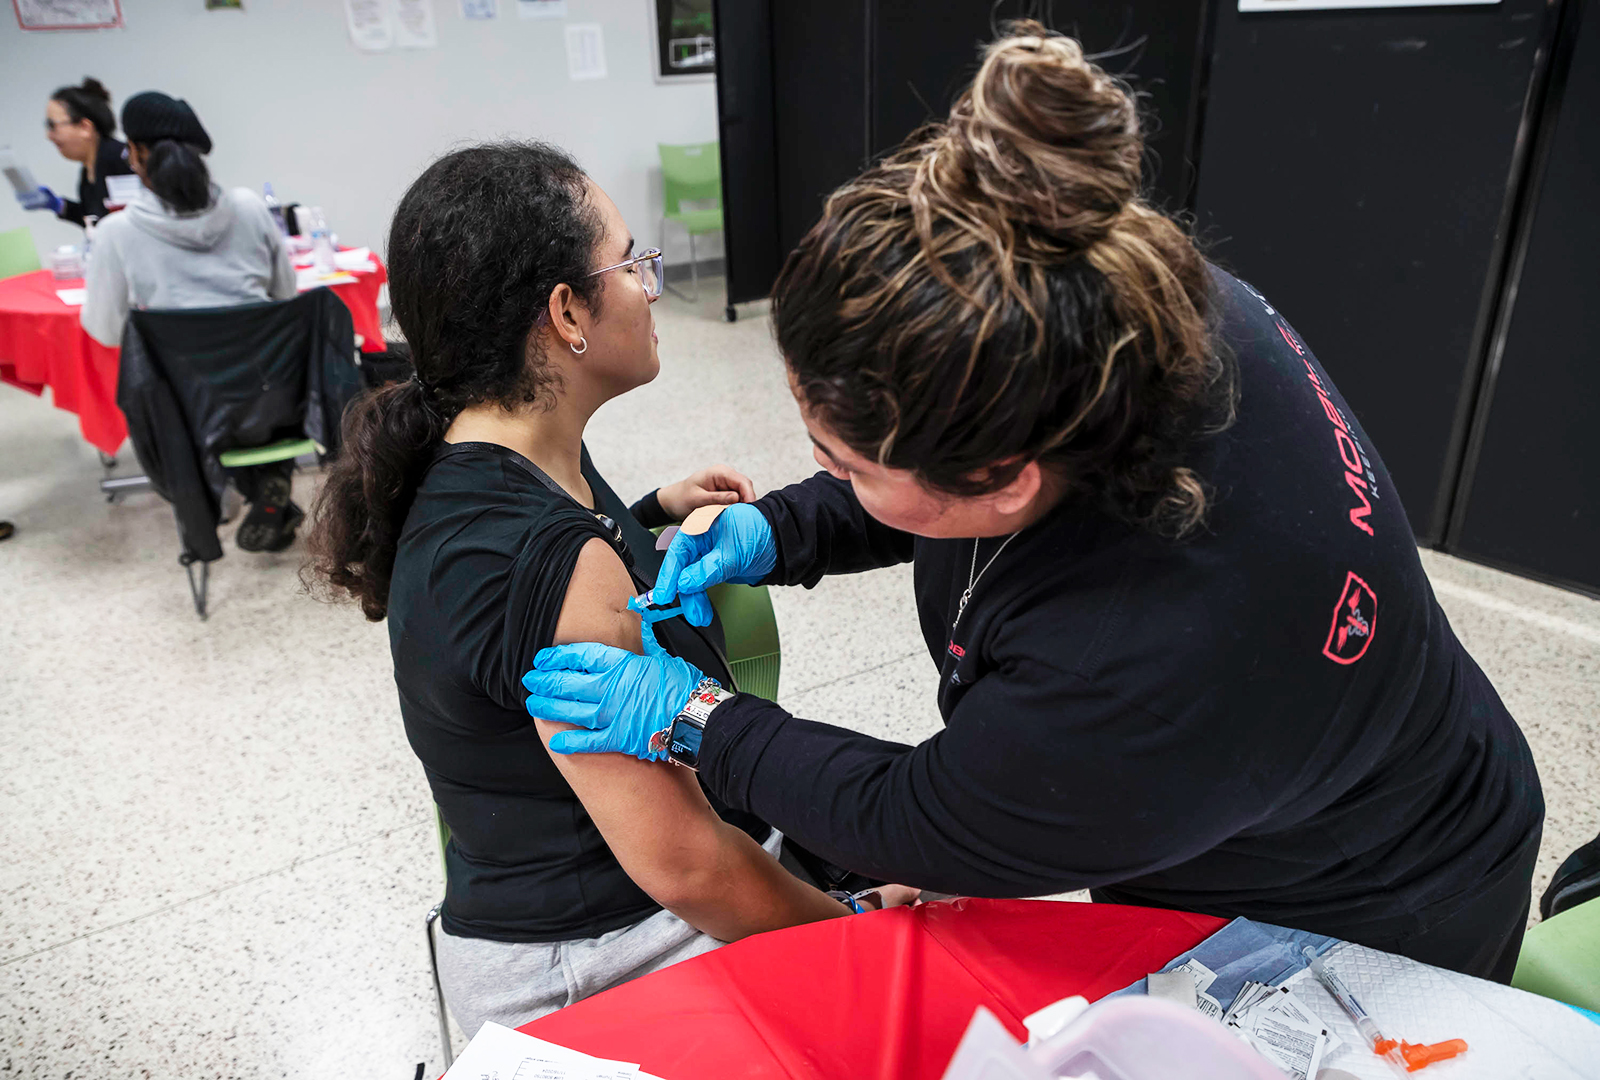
x=513 y=982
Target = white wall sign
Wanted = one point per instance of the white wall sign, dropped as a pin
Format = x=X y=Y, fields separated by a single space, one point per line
x=479 y=9
x=369 y=24
x=586 y=51
x=413 y=24
x=541 y=9
x=68 y=14
x=1331 y=5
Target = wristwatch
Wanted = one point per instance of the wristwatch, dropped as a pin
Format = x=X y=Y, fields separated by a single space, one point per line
x=681 y=739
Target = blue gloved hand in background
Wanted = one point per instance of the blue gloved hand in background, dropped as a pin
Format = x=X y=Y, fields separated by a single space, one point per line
x=42 y=199
x=738 y=548
x=622 y=698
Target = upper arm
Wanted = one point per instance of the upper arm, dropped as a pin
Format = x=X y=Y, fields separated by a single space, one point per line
x=282 y=285
x=105 y=297
x=652 y=814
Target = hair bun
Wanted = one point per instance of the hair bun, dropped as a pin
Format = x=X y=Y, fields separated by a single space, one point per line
x=96 y=89
x=1046 y=136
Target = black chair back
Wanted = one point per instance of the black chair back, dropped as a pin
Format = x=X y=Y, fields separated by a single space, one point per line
x=243 y=375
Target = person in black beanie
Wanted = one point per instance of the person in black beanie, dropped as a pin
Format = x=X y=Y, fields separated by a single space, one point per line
x=166 y=141
x=184 y=242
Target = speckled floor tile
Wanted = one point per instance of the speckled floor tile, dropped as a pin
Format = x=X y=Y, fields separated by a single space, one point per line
x=319 y=971
x=894 y=701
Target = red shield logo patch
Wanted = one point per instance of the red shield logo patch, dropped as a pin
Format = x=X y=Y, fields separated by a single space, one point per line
x=1355 y=619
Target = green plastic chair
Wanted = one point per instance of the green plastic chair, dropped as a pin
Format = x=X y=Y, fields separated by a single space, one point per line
x=750 y=632
x=1560 y=957
x=691 y=173
x=17 y=253
x=263 y=455
x=199 y=581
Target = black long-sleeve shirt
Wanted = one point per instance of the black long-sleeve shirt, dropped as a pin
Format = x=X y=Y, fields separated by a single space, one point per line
x=1272 y=718
x=111 y=159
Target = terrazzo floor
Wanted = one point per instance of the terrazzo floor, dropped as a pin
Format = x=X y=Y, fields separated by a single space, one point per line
x=216 y=848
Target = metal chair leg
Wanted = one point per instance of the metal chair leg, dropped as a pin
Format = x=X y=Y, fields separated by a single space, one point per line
x=438 y=990
x=674 y=290
x=197 y=588
x=694 y=270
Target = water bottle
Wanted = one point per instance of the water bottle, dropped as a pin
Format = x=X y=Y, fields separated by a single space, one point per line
x=321 y=243
x=275 y=208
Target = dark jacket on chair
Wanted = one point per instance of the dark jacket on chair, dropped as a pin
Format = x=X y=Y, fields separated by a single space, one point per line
x=198 y=382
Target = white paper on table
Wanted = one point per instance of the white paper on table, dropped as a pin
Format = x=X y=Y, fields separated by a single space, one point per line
x=586 y=51
x=1510 y=1034
x=355 y=259
x=311 y=279
x=122 y=190
x=21 y=177
x=541 y=9
x=497 y=1051
x=413 y=24
x=72 y=297
x=479 y=9
x=370 y=28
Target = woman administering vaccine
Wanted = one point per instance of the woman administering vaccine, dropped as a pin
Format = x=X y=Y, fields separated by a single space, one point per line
x=1187 y=654
x=79 y=121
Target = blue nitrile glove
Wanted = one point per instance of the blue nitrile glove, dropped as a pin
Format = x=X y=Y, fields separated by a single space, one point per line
x=739 y=548
x=621 y=697
x=42 y=199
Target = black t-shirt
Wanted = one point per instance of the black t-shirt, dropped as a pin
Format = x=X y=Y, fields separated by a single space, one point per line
x=111 y=159
x=1271 y=719
x=479 y=580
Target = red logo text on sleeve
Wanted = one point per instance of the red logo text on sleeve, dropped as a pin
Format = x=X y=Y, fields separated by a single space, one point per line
x=1355 y=619
x=1359 y=476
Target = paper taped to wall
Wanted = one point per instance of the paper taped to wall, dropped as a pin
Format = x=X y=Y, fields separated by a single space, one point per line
x=368 y=20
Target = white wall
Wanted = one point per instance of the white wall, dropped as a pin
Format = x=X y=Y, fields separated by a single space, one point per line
x=287 y=98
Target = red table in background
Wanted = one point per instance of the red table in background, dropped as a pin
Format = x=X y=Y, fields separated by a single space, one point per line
x=42 y=344
x=871 y=997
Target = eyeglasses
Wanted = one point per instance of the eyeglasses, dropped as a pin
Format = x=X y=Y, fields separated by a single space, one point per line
x=651 y=271
x=51 y=125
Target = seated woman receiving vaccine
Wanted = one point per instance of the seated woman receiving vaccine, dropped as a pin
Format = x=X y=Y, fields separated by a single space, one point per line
x=465 y=509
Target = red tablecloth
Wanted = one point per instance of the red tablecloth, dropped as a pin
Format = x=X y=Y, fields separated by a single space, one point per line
x=871 y=997
x=42 y=344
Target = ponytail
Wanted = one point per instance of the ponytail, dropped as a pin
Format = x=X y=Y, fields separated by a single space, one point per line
x=389 y=437
x=177 y=173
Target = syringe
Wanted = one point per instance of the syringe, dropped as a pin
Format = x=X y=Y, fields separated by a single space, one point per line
x=1384 y=1047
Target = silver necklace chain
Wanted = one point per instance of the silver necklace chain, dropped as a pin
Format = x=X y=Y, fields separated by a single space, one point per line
x=974 y=575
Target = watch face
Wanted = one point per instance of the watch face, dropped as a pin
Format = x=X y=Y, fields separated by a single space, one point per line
x=685 y=748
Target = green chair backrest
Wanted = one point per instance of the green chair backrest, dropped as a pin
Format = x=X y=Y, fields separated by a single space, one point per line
x=1560 y=957
x=690 y=173
x=282 y=450
x=17 y=253
x=750 y=631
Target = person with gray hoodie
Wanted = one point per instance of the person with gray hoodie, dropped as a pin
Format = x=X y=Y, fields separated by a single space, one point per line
x=184 y=242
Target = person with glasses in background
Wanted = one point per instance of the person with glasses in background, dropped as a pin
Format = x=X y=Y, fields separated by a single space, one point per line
x=79 y=121
x=464 y=507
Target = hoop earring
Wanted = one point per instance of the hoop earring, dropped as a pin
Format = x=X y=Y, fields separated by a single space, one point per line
x=577 y=351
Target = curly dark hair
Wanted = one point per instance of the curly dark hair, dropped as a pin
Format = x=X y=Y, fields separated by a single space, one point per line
x=996 y=292
x=477 y=245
